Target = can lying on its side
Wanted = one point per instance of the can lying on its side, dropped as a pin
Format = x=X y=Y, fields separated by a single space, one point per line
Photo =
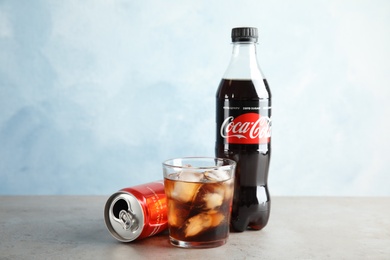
x=137 y=212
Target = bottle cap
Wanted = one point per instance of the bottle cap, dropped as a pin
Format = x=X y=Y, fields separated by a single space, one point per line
x=244 y=34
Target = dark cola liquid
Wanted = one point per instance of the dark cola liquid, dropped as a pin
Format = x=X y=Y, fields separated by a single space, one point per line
x=251 y=201
x=198 y=212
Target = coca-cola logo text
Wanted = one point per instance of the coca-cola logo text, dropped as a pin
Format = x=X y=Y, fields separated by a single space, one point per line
x=249 y=128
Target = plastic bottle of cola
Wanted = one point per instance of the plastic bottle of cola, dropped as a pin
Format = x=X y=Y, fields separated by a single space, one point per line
x=243 y=118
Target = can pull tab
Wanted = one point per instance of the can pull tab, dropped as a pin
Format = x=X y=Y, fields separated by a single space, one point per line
x=128 y=220
x=124 y=215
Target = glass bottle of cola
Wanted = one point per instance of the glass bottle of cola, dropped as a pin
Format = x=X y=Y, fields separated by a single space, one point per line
x=243 y=105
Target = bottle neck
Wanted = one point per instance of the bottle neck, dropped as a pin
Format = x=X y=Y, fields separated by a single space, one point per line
x=243 y=63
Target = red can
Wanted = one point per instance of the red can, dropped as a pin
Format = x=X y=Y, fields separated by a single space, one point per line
x=137 y=212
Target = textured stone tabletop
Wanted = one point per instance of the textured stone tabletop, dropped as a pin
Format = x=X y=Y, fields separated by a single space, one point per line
x=72 y=227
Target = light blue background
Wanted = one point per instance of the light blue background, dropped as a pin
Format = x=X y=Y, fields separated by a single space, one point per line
x=94 y=95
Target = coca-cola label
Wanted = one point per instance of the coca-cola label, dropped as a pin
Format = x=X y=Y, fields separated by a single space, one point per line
x=249 y=128
x=245 y=122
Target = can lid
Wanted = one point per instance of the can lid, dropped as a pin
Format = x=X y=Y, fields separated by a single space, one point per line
x=124 y=216
x=244 y=34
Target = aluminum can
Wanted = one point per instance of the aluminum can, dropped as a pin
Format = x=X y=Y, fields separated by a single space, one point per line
x=137 y=212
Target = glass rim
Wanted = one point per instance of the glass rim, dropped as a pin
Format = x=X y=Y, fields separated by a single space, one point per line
x=230 y=162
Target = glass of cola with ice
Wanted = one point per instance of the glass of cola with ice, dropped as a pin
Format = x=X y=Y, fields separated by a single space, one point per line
x=199 y=194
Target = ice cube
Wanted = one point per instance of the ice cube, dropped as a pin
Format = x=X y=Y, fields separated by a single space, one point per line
x=197 y=224
x=184 y=191
x=201 y=222
x=217 y=219
x=168 y=187
x=229 y=189
x=216 y=175
x=190 y=176
x=213 y=200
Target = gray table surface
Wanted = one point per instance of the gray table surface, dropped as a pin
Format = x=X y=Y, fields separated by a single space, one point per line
x=72 y=227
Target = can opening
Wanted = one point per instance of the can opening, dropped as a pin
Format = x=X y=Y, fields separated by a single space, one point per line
x=118 y=206
x=124 y=215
